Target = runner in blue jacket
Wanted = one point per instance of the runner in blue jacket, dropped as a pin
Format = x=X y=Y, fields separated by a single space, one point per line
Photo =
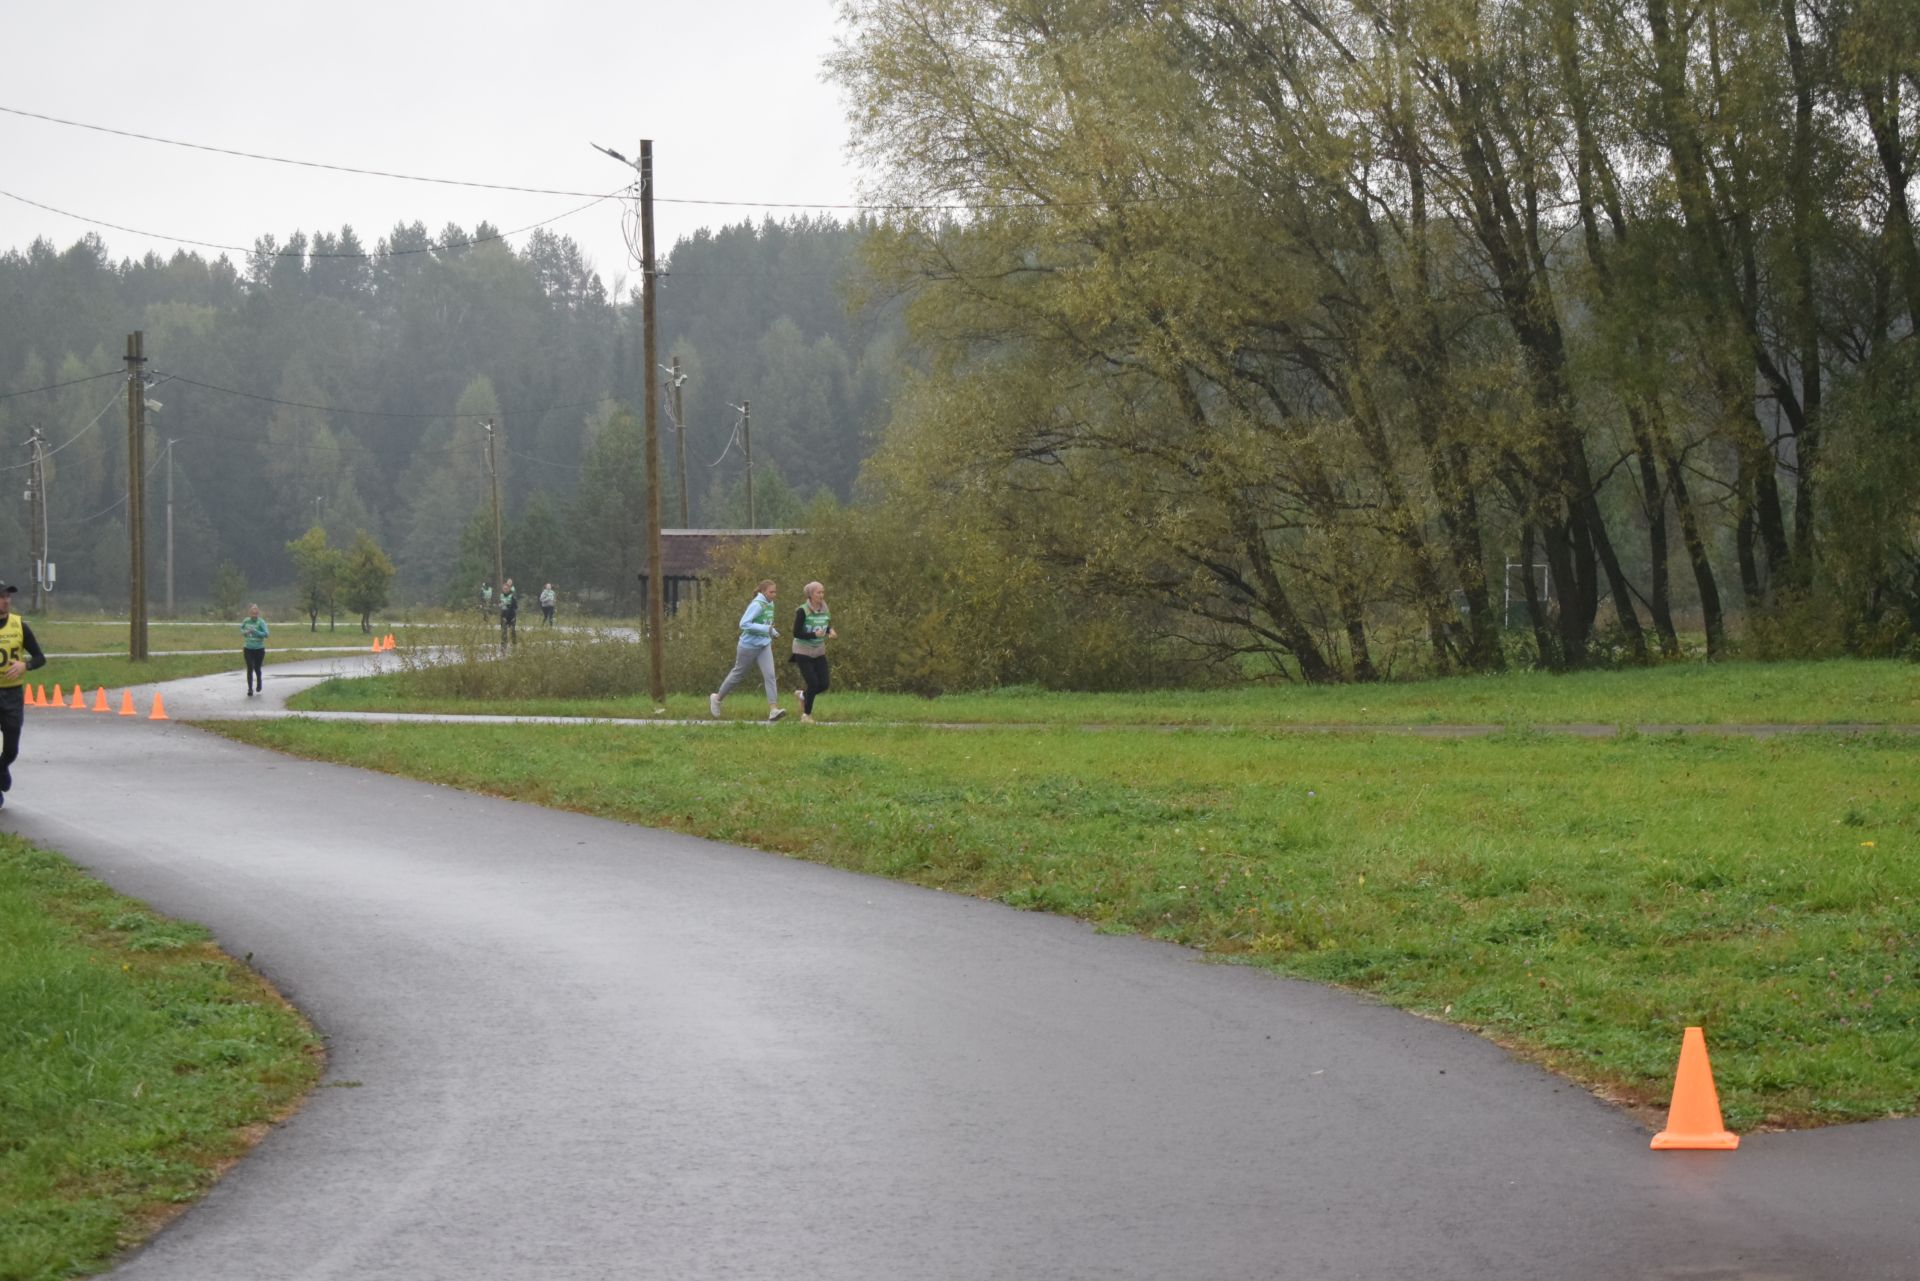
x=755 y=650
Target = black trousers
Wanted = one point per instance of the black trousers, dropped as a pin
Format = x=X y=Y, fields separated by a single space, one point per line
x=814 y=675
x=546 y=615
x=13 y=712
x=256 y=661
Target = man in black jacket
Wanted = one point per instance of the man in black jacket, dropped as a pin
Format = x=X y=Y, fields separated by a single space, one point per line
x=19 y=654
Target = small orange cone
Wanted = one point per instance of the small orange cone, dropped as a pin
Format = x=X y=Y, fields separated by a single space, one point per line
x=41 y=701
x=389 y=640
x=79 y=703
x=126 y=703
x=1693 y=1121
x=31 y=700
x=159 y=708
x=100 y=699
x=59 y=699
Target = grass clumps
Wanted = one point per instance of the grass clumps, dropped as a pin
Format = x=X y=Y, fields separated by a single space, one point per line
x=136 y=1061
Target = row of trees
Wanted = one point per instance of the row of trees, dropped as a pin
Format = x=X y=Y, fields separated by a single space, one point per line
x=1306 y=317
x=306 y=386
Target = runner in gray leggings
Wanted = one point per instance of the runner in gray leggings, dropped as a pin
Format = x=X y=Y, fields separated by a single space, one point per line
x=756 y=650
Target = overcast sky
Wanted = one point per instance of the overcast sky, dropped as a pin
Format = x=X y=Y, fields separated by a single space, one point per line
x=729 y=91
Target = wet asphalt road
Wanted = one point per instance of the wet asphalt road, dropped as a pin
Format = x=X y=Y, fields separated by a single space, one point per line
x=566 y=1048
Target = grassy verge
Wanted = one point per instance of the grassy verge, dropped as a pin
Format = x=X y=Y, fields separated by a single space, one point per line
x=1722 y=693
x=136 y=1061
x=1580 y=900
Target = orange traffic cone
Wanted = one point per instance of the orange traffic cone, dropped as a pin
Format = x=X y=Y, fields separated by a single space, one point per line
x=1693 y=1121
x=59 y=699
x=100 y=699
x=30 y=700
x=126 y=703
x=159 y=708
x=41 y=700
x=389 y=640
x=79 y=703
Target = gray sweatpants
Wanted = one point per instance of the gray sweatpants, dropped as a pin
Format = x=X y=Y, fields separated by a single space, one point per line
x=743 y=660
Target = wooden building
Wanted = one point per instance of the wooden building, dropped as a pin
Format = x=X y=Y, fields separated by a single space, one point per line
x=689 y=557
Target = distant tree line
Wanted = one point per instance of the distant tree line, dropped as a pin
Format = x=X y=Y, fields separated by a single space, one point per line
x=313 y=384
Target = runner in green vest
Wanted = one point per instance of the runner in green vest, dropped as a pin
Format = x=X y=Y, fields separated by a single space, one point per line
x=812 y=629
x=19 y=654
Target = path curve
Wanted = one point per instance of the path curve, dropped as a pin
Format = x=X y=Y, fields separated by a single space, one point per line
x=567 y=1048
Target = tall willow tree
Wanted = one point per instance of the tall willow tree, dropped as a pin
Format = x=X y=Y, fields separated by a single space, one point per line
x=1304 y=315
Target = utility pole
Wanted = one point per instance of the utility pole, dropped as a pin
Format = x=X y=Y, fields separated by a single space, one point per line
x=136 y=498
x=493 y=471
x=746 y=444
x=37 y=516
x=170 y=445
x=680 y=439
x=649 y=284
x=656 y=580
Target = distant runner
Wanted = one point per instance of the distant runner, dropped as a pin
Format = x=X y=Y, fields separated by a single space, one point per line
x=509 y=615
x=20 y=653
x=546 y=604
x=253 y=648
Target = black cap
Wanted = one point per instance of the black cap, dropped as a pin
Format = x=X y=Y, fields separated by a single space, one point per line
x=8 y=588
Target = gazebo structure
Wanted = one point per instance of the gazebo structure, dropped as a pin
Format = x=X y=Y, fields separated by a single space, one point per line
x=688 y=557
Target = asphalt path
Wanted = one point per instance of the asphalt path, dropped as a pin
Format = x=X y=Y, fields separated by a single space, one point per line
x=562 y=1047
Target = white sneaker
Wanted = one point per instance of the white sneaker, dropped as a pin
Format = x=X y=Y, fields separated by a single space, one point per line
x=713 y=706
x=776 y=714
x=805 y=719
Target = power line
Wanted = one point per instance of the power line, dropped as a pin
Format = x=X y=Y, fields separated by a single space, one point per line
x=382 y=413
x=71 y=382
x=901 y=207
x=112 y=401
x=280 y=253
x=283 y=160
x=120 y=501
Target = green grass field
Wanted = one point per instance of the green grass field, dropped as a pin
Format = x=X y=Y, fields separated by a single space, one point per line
x=1721 y=693
x=1579 y=900
x=136 y=1061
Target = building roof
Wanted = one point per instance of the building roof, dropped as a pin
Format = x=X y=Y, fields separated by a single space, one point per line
x=691 y=553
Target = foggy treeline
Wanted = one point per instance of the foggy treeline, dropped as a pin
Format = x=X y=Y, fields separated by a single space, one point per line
x=315 y=382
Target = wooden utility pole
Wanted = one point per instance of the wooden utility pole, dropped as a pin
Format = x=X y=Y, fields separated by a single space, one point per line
x=170 y=445
x=746 y=445
x=136 y=498
x=680 y=441
x=37 y=516
x=499 y=543
x=656 y=580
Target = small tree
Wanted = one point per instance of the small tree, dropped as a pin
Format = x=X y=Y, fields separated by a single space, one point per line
x=316 y=575
x=229 y=589
x=366 y=578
